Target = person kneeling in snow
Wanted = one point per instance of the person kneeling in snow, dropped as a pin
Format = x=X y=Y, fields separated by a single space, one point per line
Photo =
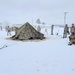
x=72 y=39
x=72 y=36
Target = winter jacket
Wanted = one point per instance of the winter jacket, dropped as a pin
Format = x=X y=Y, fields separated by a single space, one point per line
x=72 y=29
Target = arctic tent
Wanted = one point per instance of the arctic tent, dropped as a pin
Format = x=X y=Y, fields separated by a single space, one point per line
x=26 y=32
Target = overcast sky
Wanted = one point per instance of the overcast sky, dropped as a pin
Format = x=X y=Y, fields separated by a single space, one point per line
x=49 y=11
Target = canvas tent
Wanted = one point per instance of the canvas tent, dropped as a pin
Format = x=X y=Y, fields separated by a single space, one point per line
x=26 y=32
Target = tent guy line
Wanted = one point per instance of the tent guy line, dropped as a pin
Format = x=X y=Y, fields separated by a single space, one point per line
x=8 y=45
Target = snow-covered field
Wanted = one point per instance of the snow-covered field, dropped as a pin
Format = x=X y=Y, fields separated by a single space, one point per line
x=52 y=56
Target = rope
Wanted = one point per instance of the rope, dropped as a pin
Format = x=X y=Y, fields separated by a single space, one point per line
x=7 y=45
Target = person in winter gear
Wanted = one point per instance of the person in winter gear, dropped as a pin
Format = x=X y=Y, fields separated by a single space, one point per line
x=72 y=30
x=46 y=32
x=66 y=31
x=72 y=36
x=38 y=28
x=72 y=39
x=52 y=28
x=8 y=30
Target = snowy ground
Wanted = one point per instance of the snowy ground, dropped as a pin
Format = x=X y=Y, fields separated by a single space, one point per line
x=52 y=56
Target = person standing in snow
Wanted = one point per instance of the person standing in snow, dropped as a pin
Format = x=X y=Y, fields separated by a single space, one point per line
x=46 y=32
x=52 y=28
x=38 y=28
x=66 y=31
x=72 y=30
x=8 y=30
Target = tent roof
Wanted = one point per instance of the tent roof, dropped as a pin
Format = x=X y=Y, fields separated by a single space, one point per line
x=32 y=31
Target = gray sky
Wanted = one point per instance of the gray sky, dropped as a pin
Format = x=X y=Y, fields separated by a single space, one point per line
x=49 y=11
